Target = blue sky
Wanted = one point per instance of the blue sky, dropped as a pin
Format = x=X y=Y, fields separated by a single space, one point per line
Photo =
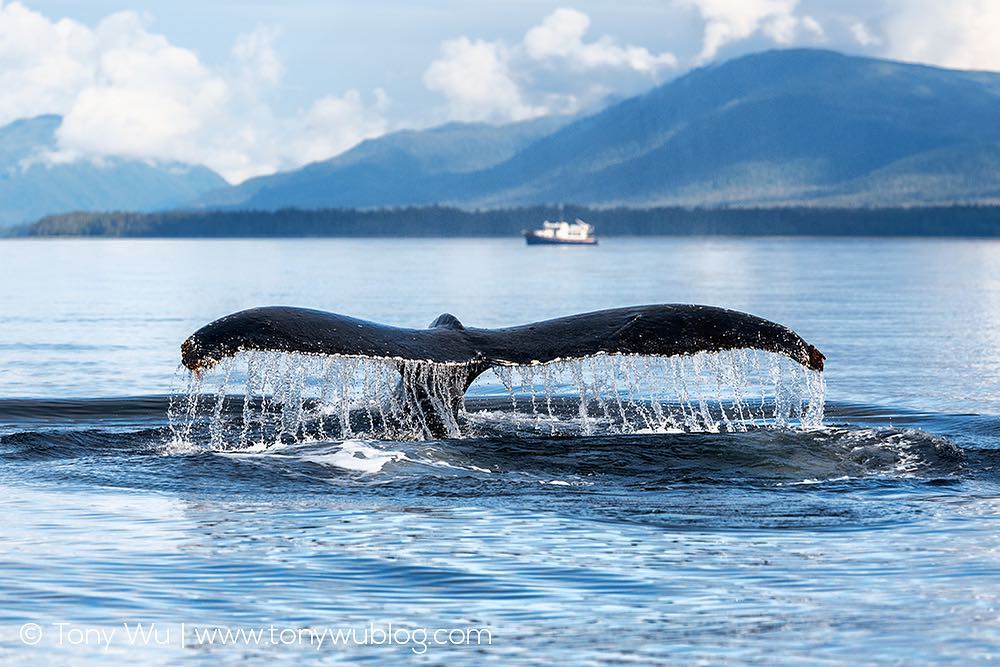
x=252 y=87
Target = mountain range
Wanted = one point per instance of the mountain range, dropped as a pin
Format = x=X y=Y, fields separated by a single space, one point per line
x=396 y=169
x=779 y=128
x=797 y=126
x=33 y=184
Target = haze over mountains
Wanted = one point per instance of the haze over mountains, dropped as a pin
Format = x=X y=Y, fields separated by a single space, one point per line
x=781 y=127
x=395 y=169
x=32 y=185
x=787 y=127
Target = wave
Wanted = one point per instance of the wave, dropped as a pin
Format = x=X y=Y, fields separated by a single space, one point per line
x=83 y=410
x=859 y=442
x=853 y=446
x=763 y=456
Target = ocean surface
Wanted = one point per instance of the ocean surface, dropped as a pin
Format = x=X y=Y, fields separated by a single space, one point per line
x=874 y=538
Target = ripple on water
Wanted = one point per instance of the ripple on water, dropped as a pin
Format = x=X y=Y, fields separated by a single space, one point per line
x=645 y=546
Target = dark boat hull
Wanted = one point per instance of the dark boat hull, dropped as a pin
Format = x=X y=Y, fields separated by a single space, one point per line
x=531 y=238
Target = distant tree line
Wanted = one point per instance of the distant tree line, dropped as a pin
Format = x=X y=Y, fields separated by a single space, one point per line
x=442 y=221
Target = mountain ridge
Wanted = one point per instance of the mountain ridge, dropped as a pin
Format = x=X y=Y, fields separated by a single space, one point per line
x=795 y=126
x=32 y=185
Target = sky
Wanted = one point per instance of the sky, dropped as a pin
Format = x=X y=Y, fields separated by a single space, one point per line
x=251 y=87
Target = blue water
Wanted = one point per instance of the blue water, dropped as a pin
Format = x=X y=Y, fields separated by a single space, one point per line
x=874 y=539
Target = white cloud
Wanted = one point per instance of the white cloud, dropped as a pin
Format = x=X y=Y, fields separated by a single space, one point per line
x=551 y=70
x=732 y=20
x=960 y=33
x=258 y=60
x=862 y=35
x=43 y=63
x=475 y=76
x=334 y=124
x=144 y=97
x=126 y=91
x=560 y=36
x=812 y=27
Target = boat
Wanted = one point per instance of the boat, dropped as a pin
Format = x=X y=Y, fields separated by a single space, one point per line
x=561 y=233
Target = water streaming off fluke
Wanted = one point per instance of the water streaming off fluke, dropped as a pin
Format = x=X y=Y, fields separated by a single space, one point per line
x=257 y=399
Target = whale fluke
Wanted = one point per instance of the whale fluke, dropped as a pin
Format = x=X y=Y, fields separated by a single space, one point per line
x=660 y=330
x=446 y=358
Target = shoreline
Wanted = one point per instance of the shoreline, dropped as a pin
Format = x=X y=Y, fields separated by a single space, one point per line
x=955 y=221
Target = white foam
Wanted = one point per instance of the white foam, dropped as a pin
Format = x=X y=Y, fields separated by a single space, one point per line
x=357 y=455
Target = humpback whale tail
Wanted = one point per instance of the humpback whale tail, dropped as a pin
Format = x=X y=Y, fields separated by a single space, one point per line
x=438 y=364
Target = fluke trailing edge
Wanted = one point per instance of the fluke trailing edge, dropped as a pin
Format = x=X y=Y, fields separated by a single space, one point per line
x=448 y=356
x=661 y=330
